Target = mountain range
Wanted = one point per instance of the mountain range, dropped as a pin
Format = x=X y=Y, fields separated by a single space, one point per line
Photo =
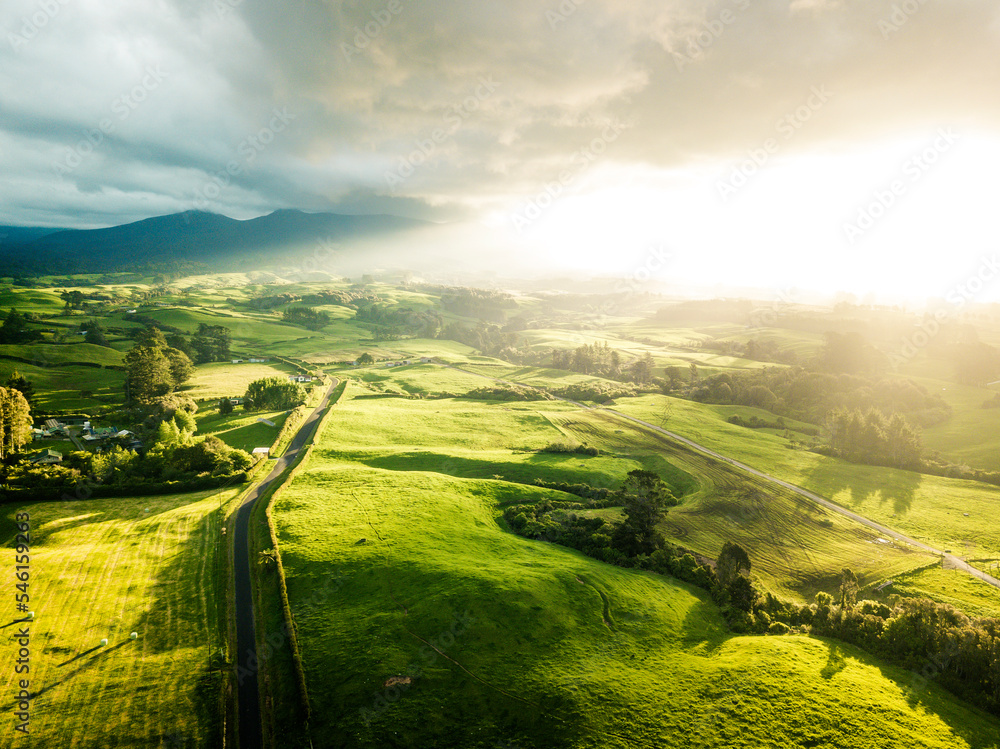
x=189 y=240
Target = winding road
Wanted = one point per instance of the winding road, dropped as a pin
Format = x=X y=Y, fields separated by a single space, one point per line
x=248 y=695
x=950 y=560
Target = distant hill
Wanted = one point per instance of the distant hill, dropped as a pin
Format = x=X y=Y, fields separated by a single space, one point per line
x=192 y=240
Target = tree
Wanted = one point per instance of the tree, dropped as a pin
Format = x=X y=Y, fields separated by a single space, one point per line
x=152 y=337
x=25 y=388
x=642 y=369
x=211 y=343
x=180 y=365
x=742 y=594
x=95 y=334
x=15 y=329
x=848 y=588
x=643 y=496
x=147 y=374
x=366 y=359
x=274 y=393
x=15 y=422
x=73 y=299
x=733 y=561
x=976 y=363
x=225 y=407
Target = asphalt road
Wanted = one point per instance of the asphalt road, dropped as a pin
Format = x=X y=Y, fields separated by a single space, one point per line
x=248 y=695
x=950 y=560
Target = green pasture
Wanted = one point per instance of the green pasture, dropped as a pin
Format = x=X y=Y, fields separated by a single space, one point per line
x=102 y=569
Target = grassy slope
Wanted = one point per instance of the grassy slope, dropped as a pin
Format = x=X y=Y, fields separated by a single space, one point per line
x=59 y=388
x=102 y=569
x=221 y=379
x=928 y=508
x=563 y=651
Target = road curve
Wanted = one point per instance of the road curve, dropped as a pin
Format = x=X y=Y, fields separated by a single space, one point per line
x=950 y=560
x=248 y=695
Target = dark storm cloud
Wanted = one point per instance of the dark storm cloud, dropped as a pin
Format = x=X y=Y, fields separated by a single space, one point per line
x=441 y=109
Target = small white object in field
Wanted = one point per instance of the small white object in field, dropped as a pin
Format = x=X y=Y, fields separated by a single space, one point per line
x=133 y=636
x=104 y=642
x=31 y=615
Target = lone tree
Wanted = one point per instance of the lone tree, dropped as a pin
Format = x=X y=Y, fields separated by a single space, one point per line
x=732 y=563
x=366 y=359
x=644 y=498
x=848 y=589
x=15 y=422
x=153 y=369
x=273 y=393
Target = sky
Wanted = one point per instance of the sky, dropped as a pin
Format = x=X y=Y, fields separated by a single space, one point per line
x=787 y=145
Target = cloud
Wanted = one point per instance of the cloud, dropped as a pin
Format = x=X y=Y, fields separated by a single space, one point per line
x=371 y=82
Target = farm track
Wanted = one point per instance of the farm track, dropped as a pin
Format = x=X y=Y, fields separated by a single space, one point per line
x=949 y=560
x=248 y=693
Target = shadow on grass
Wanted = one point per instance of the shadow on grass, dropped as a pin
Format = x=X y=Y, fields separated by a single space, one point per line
x=863 y=482
x=543 y=466
x=835 y=662
x=90 y=662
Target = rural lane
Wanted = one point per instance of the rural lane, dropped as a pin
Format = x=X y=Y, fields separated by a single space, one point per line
x=950 y=560
x=248 y=695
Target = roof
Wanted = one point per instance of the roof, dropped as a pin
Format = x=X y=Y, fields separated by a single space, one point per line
x=47 y=455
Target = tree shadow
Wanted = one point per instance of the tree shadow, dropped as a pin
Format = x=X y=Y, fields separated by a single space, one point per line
x=105 y=651
x=835 y=662
x=862 y=482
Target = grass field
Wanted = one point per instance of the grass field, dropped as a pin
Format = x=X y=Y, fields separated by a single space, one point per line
x=223 y=379
x=49 y=355
x=929 y=508
x=68 y=387
x=444 y=630
x=103 y=569
x=241 y=430
x=954 y=587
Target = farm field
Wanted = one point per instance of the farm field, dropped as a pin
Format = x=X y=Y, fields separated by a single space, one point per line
x=962 y=591
x=222 y=379
x=243 y=432
x=103 y=568
x=449 y=631
x=928 y=508
x=69 y=388
x=798 y=548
